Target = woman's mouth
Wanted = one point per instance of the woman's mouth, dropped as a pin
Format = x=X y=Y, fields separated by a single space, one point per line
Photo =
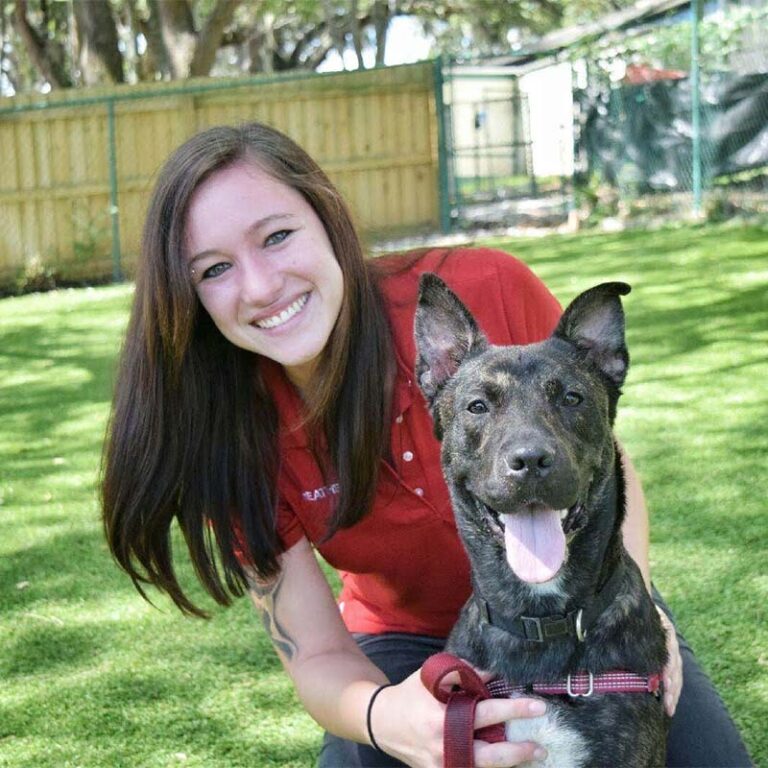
x=283 y=317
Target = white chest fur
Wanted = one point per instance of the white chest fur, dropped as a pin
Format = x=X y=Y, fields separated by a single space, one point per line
x=566 y=748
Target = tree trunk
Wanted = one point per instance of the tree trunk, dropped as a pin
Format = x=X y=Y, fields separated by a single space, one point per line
x=210 y=37
x=46 y=54
x=382 y=13
x=356 y=32
x=156 y=59
x=178 y=34
x=262 y=45
x=336 y=29
x=97 y=38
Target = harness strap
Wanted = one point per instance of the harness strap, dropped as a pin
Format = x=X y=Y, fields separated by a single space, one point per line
x=582 y=685
x=460 y=702
x=459 y=727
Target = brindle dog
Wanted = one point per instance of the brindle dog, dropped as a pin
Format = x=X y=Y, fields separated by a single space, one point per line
x=538 y=492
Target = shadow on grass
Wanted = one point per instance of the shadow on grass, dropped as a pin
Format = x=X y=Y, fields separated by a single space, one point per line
x=668 y=328
x=59 y=566
x=82 y=379
x=129 y=717
x=83 y=659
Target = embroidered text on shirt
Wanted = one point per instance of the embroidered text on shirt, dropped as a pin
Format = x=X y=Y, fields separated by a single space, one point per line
x=321 y=493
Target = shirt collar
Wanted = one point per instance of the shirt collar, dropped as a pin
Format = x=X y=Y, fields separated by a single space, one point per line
x=293 y=433
x=403 y=392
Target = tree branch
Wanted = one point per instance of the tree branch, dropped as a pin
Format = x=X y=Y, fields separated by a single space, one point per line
x=178 y=33
x=97 y=36
x=209 y=39
x=382 y=13
x=356 y=32
x=157 y=58
x=46 y=58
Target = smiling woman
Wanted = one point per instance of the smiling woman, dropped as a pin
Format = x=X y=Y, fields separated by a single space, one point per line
x=264 y=268
x=243 y=226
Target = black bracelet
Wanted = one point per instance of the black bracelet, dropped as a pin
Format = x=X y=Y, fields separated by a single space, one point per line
x=368 y=715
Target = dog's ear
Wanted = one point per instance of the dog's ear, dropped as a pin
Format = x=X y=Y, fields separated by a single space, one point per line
x=594 y=322
x=445 y=334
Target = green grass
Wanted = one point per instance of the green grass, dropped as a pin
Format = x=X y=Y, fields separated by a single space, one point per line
x=92 y=676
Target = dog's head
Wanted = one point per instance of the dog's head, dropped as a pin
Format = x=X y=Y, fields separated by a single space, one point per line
x=526 y=430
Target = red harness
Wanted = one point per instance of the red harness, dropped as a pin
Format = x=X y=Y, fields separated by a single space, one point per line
x=582 y=684
x=459 y=729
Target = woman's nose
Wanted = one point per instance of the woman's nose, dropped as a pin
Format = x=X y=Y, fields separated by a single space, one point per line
x=261 y=281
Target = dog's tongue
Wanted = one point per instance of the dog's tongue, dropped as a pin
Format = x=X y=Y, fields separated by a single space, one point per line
x=535 y=544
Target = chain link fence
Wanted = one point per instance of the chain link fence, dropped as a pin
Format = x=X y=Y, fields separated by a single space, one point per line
x=672 y=118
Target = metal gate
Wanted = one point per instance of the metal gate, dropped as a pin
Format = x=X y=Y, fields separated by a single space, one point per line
x=489 y=174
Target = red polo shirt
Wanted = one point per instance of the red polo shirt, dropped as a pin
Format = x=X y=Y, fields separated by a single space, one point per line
x=403 y=566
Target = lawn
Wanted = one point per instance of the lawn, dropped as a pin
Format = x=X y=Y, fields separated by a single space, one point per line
x=93 y=676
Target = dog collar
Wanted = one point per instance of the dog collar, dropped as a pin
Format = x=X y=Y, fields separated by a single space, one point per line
x=583 y=685
x=576 y=623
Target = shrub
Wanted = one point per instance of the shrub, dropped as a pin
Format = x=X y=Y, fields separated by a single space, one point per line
x=36 y=276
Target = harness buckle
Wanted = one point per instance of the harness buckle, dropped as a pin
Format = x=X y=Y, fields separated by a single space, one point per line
x=533 y=629
x=575 y=694
x=581 y=633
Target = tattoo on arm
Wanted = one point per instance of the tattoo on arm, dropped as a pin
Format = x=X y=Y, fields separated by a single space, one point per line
x=265 y=598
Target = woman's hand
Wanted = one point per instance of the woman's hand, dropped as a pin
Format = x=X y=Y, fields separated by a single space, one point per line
x=407 y=722
x=673 y=672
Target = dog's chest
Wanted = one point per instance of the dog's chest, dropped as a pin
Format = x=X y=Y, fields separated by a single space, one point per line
x=566 y=747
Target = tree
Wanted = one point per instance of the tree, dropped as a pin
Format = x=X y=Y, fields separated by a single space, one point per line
x=114 y=41
x=54 y=44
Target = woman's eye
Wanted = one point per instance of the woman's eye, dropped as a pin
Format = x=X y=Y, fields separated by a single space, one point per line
x=277 y=237
x=216 y=270
x=572 y=398
x=477 y=407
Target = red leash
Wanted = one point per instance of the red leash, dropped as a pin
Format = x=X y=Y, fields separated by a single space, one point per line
x=459 y=731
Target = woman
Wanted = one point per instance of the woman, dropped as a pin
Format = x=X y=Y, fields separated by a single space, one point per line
x=265 y=401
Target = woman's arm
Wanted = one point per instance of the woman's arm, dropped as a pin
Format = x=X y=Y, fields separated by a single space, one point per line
x=636 y=530
x=335 y=680
x=636 y=526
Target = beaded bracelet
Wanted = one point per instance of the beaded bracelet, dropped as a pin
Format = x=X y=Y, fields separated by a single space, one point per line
x=368 y=715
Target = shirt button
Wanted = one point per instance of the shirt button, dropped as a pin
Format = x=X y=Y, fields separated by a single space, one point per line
x=407 y=456
x=399 y=420
x=418 y=491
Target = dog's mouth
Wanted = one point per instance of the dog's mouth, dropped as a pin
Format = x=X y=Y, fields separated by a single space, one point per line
x=536 y=537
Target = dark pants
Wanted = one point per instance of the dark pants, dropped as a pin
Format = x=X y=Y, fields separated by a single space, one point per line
x=702 y=734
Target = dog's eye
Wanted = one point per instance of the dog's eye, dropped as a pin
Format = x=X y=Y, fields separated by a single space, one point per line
x=477 y=407
x=572 y=398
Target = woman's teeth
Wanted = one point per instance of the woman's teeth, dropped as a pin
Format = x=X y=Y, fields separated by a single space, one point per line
x=285 y=315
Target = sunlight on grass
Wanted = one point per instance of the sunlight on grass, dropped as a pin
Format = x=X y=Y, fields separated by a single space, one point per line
x=93 y=676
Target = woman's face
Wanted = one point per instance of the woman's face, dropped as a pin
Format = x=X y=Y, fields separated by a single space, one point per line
x=263 y=267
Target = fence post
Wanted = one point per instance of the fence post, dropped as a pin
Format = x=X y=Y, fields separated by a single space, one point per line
x=442 y=149
x=696 y=108
x=114 y=210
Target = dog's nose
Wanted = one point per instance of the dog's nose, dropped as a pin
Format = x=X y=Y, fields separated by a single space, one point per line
x=530 y=462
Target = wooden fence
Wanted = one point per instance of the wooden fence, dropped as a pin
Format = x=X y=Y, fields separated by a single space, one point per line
x=76 y=168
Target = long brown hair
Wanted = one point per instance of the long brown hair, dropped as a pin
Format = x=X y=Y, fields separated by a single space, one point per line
x=193 y=431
